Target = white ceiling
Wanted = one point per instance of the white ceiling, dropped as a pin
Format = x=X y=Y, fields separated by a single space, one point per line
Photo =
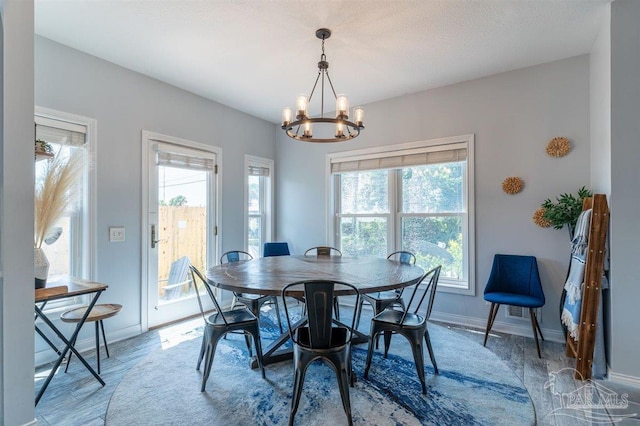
x=258 y=55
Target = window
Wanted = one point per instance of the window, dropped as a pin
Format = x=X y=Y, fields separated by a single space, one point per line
x=69 y=246
x=416 y=197
x=258 y=198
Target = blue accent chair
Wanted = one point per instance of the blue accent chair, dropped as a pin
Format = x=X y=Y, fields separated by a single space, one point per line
x=514 y=281
x=275 y=249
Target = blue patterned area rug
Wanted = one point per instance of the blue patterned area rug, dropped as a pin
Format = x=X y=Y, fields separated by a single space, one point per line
x=474 y=387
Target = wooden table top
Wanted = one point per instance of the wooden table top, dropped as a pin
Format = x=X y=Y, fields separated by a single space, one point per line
x=268 y=275
x=65 y=286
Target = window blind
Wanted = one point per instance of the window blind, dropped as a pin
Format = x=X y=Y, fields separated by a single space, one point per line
x=174 y=159
x=395 y=160
x=258 y=171
x=60 y=132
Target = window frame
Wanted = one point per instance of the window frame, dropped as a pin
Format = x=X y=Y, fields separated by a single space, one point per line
x=87 y=243
x=394 y=233
x=266 y=198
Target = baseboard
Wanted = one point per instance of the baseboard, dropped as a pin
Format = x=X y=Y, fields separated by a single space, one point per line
x=481 y=324
x=623 y=379
x=47 y=355
x=502 y=327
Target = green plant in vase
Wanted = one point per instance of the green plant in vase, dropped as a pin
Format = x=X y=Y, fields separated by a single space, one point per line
x=565 y=211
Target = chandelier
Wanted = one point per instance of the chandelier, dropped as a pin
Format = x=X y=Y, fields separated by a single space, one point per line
x=336 y=129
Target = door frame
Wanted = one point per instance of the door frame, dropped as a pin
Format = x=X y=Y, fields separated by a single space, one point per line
x=147 y=139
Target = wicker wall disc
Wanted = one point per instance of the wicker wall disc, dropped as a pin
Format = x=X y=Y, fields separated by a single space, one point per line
x=512 y=185
x=538 y=218
x=558 y=147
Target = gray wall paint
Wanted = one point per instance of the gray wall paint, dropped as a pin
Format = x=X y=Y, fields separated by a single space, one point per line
x=513 y=115
x=600 y=98
x=625 y=195
x=16 y=215
x=600 y=114
x=124 y=103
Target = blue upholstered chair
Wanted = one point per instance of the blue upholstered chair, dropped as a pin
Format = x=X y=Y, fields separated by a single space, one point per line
x=275 y=249
x=514 y=281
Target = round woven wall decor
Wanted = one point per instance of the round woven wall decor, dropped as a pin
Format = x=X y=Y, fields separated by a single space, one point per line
x=512 y=185
x=558 y=147
x=538 y=218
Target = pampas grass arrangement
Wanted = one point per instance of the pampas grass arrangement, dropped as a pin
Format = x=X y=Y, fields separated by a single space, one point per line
x=56 y=192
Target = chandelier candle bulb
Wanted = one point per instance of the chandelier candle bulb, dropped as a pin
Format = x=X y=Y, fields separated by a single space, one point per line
x=342 y=107
x=339 y=130
x=358 y=116
x=301 y=106
x=308 y=129
x=286 y=116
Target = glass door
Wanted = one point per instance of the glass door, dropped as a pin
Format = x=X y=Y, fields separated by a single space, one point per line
x=181 y=227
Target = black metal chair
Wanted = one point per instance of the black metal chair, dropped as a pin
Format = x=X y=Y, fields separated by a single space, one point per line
x=252 y=301
x=327 y=251
x=323 y=251
x=409 y=324
x=319 y=339
x=221 y=323
x=379 y=301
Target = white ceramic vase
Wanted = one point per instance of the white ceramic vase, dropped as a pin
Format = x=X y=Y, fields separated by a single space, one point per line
x=41 y=267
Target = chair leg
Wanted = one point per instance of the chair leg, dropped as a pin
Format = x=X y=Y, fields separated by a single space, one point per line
x=202 y=349
x=343 y=383
x=537 y=324
x=358 y=312
x=98 y=344
x=298 y=381
x=247 y=339
x=278 y=315
x=416 y=348
x=493 y=311
x=256 y=339
x=427 y=340
x=369 y=352
x=104 y=339
x=534 y=326
x=387 y=342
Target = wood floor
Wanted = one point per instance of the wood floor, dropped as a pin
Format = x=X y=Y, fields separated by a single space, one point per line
x=76 y=398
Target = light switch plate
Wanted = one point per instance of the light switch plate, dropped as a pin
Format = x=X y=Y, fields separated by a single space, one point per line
x=116 y=234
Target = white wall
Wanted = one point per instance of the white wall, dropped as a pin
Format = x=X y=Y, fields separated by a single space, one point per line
x=124 y=103
x=16 y=215
x=625 y=195
x=513 y=116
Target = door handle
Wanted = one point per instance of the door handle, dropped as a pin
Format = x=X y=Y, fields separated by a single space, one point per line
x=154 y=242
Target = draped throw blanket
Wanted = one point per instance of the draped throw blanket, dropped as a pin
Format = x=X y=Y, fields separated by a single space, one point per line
x=573 y=303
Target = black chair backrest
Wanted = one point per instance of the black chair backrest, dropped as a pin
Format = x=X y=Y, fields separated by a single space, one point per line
x=235 y=256
x=318 y=296
x=433 y=276
x=403 y=257
x=197 y=274
x=275 y=249
x=323 y=251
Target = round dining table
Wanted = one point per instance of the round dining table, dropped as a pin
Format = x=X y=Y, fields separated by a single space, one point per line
x=269 y=275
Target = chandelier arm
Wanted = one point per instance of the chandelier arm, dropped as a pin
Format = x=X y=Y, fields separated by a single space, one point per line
x=331 y=84
x=314 y=86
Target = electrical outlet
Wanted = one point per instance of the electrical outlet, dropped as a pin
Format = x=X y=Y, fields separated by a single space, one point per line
x=116 y=234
